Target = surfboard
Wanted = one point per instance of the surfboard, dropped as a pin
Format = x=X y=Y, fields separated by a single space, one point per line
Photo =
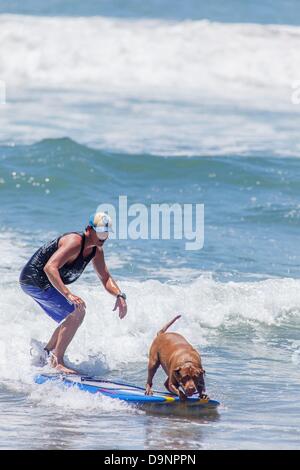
x=129 y=393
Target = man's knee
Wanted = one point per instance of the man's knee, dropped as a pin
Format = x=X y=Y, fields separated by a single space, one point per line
x=79 y=314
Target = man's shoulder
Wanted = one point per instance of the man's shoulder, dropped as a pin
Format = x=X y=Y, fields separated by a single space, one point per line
x=70 y=239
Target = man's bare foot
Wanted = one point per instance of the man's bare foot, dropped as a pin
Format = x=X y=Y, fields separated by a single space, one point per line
x=148 y=390
x=65 y=370
x=60 y=366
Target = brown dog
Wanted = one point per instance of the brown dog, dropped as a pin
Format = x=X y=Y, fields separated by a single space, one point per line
x=180 y=361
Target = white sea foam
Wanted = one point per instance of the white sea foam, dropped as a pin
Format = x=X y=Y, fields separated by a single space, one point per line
x=152 y=86
x=73 y=399
x=189 y=55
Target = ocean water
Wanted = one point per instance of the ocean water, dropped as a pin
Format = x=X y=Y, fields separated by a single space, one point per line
x=163 y=102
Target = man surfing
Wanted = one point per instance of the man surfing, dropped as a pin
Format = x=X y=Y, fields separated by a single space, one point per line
x=59 y=263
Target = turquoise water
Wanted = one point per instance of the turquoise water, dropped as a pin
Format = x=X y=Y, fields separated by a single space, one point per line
x=164 y=103
x=251 y=204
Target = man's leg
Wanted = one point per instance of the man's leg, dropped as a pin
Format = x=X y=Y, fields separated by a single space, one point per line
x=64 y=335
x=52 y=342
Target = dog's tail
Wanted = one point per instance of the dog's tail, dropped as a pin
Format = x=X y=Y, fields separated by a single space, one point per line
x=164 y=328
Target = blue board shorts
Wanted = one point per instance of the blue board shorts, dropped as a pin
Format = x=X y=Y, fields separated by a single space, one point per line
x=51 y=301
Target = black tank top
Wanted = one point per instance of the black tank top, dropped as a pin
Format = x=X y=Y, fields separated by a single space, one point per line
x=33 y=272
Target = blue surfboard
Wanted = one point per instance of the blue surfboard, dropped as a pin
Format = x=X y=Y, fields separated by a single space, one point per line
x=130 y=393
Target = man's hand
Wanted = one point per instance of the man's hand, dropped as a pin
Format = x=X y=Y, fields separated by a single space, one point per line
x=77 y=301
x=121 y=304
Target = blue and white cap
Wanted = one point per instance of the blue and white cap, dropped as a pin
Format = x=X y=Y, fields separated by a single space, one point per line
x=101 y=222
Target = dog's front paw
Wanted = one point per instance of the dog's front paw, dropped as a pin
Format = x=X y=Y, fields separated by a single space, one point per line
x=148 y=390
x=182 y=396
x=203 y=396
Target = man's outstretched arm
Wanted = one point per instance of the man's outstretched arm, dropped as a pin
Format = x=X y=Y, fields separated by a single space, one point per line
x=108 y=282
